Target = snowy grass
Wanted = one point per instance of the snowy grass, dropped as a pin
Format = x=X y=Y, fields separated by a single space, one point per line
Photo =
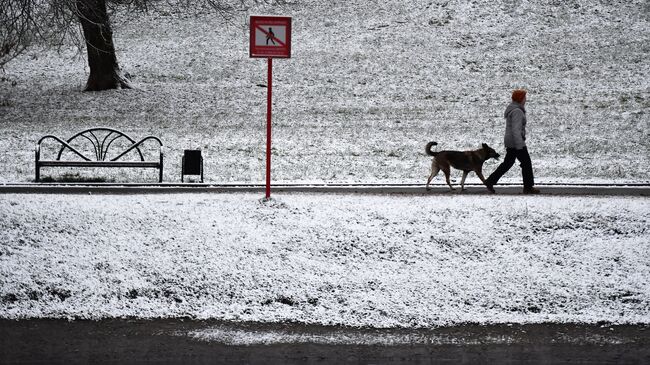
x=368 y=85
x=371 y=260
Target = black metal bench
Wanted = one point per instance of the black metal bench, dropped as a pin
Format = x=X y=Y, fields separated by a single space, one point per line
x=98 y=140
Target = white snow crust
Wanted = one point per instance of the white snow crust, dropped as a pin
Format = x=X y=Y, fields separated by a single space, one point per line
x=370 y=260
x=368 y=85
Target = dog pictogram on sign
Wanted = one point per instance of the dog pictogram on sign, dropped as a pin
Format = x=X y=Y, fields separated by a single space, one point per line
x=270 y=36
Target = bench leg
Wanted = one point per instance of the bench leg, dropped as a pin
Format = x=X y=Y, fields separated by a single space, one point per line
x=161 y=168
x=37 y=168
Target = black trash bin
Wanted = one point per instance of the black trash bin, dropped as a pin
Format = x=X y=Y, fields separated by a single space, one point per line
x=192 y=164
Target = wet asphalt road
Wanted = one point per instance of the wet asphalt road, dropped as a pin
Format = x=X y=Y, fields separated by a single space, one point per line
x=167 y=341
x=400 y=189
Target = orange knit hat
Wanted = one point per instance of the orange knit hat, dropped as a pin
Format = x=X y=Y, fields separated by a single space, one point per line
x=518 y=95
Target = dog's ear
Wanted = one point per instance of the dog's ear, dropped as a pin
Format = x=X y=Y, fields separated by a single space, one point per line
x=485 y=146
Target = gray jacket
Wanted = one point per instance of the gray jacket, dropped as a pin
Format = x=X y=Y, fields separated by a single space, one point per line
x=515 y=115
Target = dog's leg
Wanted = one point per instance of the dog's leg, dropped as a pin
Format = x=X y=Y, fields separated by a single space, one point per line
x=434 y=172
x=445 y=169
x=462 y=181
x=479 y=173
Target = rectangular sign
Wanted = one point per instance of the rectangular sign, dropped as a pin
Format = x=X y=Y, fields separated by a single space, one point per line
x=270 y=37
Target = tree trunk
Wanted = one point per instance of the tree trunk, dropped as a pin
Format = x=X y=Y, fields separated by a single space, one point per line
x=104 y=71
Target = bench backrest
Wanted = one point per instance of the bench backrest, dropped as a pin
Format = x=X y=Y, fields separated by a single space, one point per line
x=100 y=140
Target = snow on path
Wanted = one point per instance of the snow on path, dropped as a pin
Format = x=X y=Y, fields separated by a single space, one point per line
x=372 y=260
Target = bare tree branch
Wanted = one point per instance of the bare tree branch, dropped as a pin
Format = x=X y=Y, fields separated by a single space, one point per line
x=55 y=22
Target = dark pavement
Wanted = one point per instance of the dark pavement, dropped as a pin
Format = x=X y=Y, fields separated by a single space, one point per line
x=639 y=189
x=167 y=341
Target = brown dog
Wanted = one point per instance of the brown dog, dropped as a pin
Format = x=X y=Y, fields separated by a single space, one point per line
x=462 y=160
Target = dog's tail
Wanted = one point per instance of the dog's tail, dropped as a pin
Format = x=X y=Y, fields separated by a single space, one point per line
x=428 y=150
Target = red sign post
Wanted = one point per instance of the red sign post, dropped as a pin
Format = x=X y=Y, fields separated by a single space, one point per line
x=270 y=38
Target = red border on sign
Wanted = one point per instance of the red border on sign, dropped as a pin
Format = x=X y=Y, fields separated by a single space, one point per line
x=282 y=51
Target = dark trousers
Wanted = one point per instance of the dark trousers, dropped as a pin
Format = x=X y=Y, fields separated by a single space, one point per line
x=526 y=167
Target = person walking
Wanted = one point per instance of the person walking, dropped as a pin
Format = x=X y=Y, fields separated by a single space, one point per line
x=515 y=142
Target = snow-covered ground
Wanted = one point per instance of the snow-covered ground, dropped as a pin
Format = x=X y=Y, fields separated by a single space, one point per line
x=370 y=260
x=368 y=85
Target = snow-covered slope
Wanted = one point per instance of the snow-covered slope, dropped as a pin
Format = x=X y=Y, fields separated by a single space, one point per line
x=368 y=85
x=369 y=260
